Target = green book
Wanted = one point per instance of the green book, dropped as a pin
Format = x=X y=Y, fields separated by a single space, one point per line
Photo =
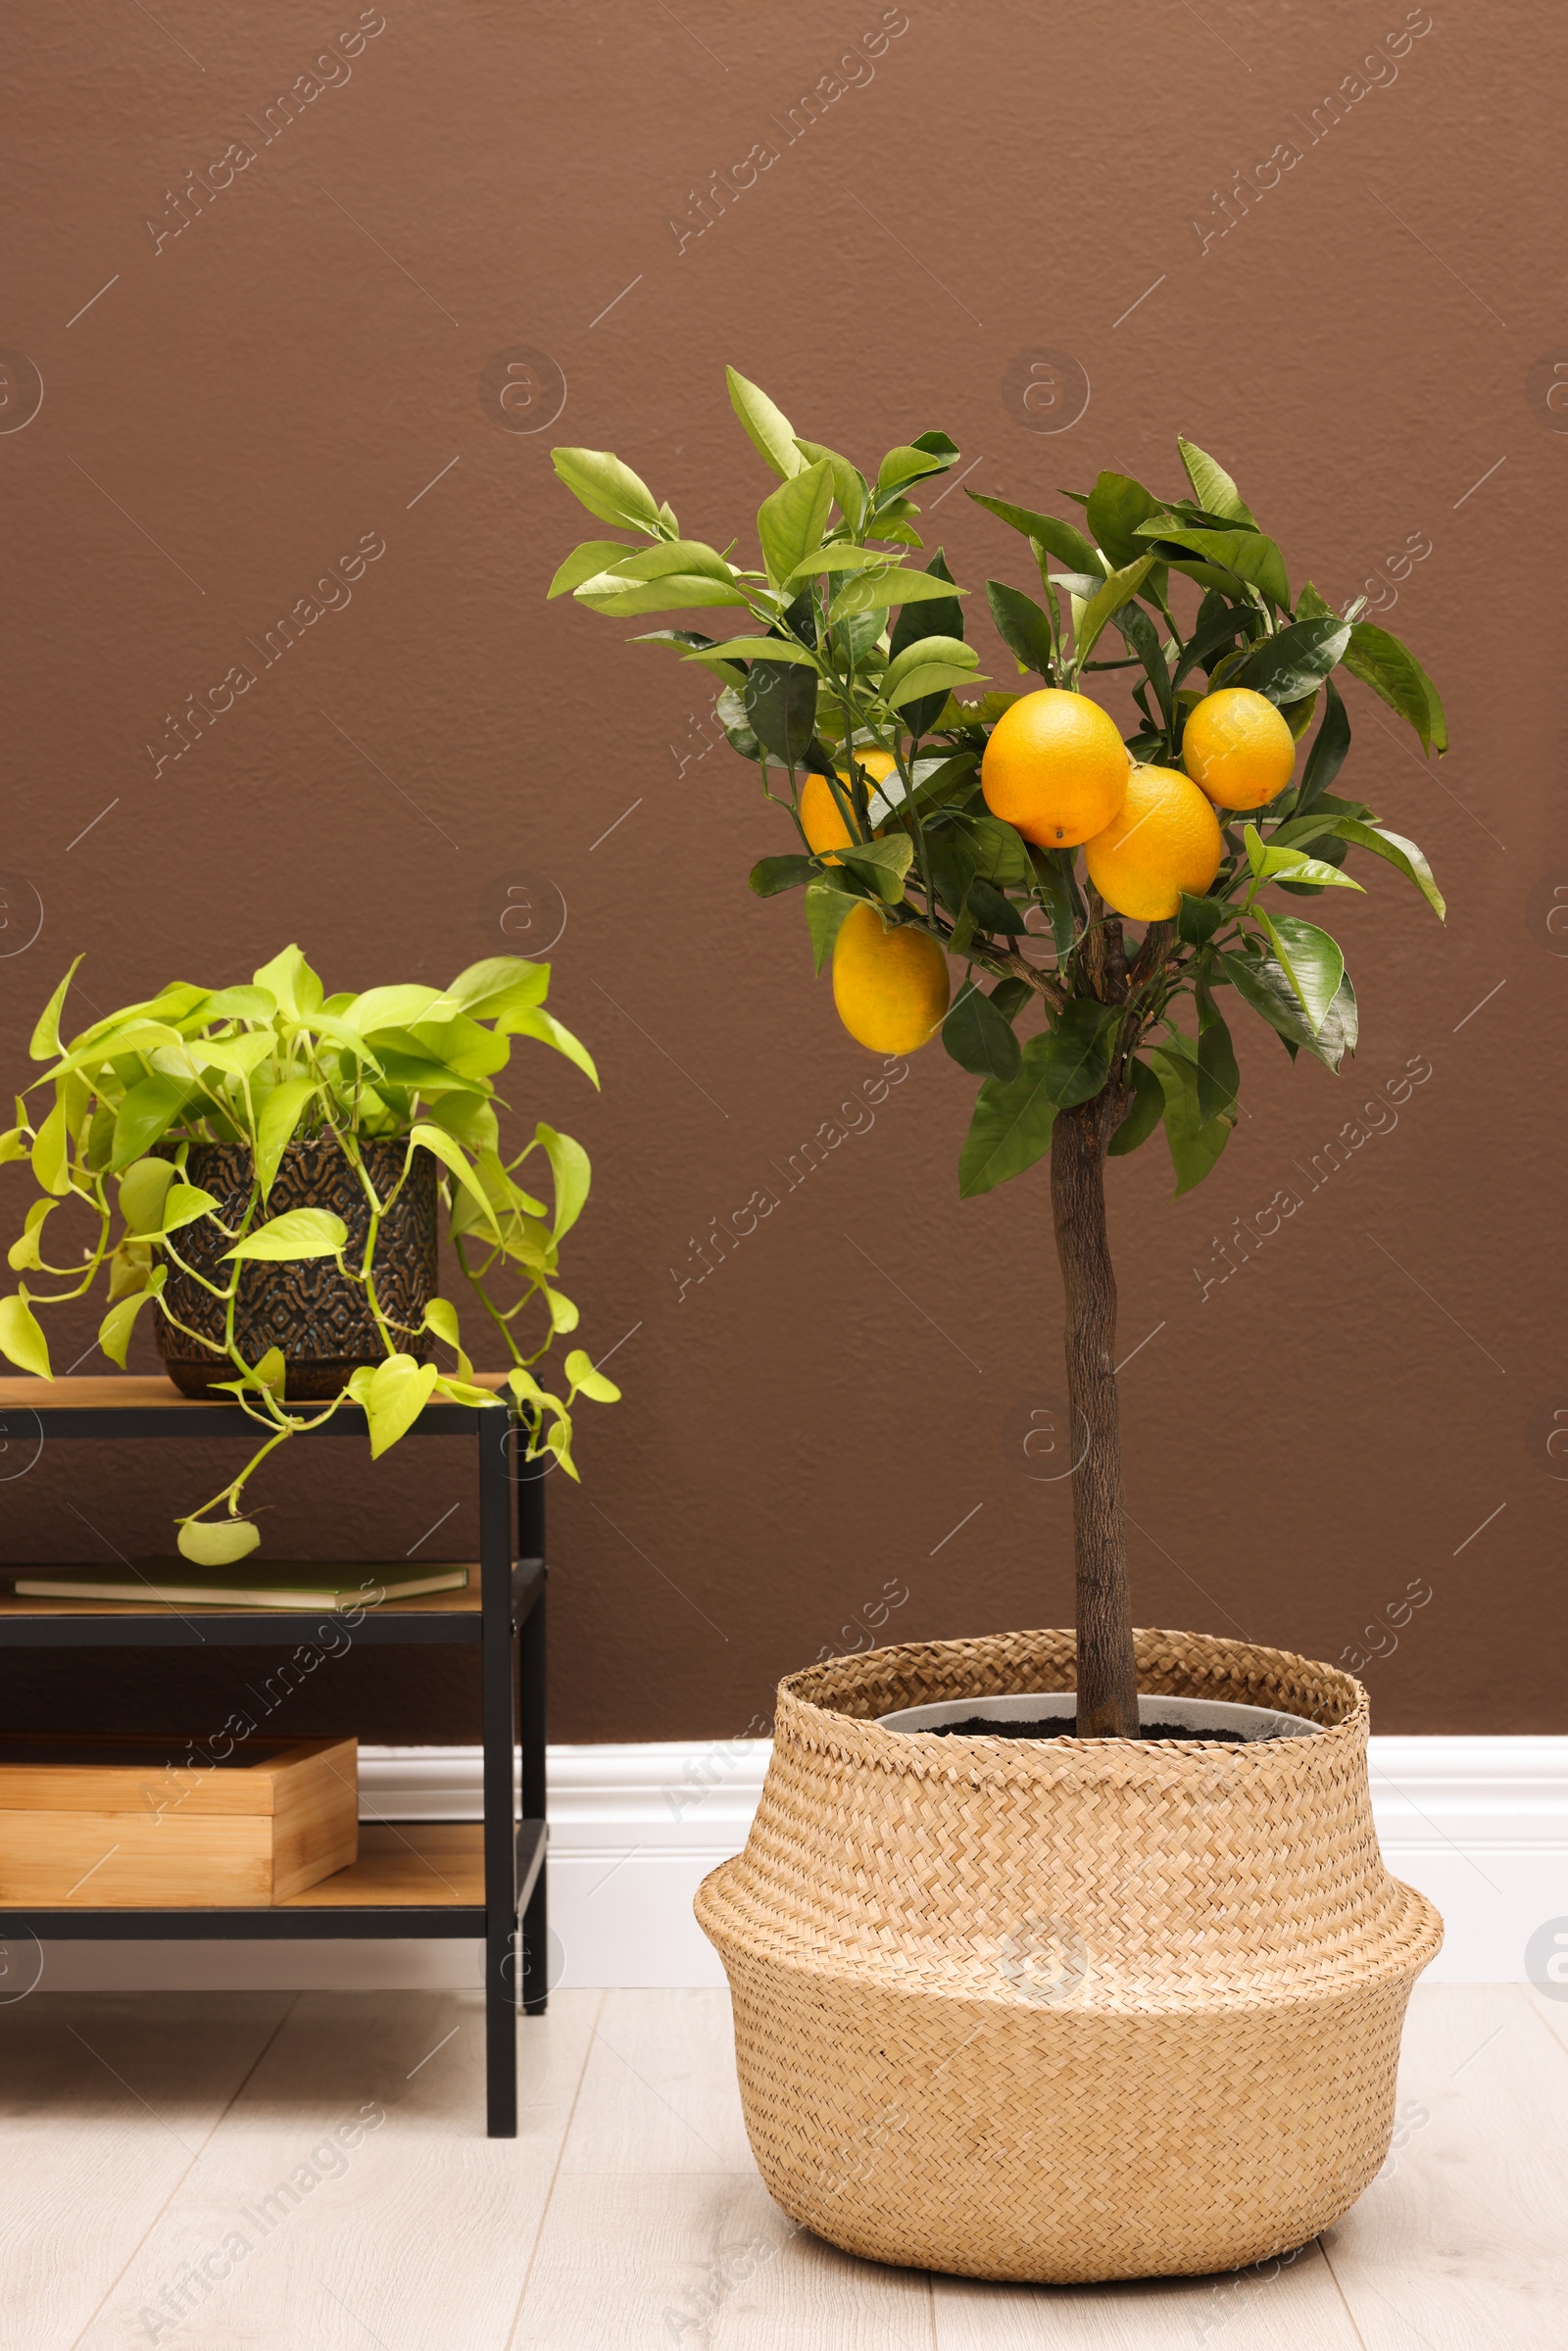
x=297 y=1584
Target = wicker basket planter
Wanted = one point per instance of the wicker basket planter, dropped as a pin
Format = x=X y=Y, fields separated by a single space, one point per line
x=1066 y=2010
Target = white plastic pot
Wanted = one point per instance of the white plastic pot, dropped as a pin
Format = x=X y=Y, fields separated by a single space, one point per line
x=1060 y=1705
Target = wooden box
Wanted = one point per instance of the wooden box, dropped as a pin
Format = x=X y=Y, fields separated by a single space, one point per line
x=133 y=1823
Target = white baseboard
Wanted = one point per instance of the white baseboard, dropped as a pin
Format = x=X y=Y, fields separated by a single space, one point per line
x=1480 y=1825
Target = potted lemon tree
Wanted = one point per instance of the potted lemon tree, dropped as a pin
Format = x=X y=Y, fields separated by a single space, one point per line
x=1101 y=1874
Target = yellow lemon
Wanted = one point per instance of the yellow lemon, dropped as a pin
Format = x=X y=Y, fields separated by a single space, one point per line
x=890 y=986
x=1165 y=840
x=1238 y=748
x=1054 y=768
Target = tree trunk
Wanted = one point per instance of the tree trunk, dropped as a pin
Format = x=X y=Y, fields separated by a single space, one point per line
x=1107 y=1680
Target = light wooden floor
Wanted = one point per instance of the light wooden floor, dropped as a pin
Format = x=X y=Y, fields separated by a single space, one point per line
x=138 y=2134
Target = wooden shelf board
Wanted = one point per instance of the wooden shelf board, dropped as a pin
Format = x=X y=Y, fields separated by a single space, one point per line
x=428 y=1864
x=426 y=1603
x=135 y=1388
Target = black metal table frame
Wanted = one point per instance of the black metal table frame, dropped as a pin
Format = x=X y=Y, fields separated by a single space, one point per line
x=511 y=1630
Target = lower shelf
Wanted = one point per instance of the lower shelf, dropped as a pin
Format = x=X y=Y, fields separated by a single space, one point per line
x=425 y=1879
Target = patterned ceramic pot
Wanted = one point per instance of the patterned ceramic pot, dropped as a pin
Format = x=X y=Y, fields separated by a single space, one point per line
x=309 y=1309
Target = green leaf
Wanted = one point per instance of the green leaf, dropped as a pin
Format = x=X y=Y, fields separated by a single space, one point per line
x=1213 y=486
x=929 y=677
x=1380 y=661
x=51 y=1152
x=45 y=1040
x=182 y=1204
x=839 y=556
x=218 y=1542
x=594 y=555
x=1310 y=960
x=242 y=1003
x=453 y=1158
x=1400 y=853
x=927 y=653
x=146 y=1115
x=394 y=1397
x=1246 y=555
x=491 y=986
x=281 y=1113
x=850 y=486
x=1327 y=754
x=1148 y=1109
x=529 y=1020
x=1011 y=1124
x=1022 y=626
x=143 y=1188
x=396 y=1008
x=757 y=649
x=585 y=1381
x=826 y=910
x=767 y=428
x=692 y=556
x=233 y=1057
x=881 y=863
x=1117 y=505
x=1219 y=1081
x=1107 y=600
x=1194 y=1143
x=609 y=490
x=570 y=1166
x=298 y=1233
x=1199 y=918
x=780 y=705
x=113 y=1332
x=25 y=1254
x=1261 y=983
x=22 y=1337
x=790 y=523
x=672 y=592
x=769 y=876
x=1060 y=539
x=1077 y=1053
x=1294 y=663
x=1140 y=636
x=1294 y=871
x=980 y=1039
x=877 y=591
x=290 y=980
x=1288 y=864
x=698 y=649
x=909 y=463
x=131 y=1037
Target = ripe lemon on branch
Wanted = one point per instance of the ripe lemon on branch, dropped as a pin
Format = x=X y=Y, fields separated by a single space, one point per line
x=821 y=817
x=1054 y=769
x=890 y=986
x=1238 y=749
x=1166 y=838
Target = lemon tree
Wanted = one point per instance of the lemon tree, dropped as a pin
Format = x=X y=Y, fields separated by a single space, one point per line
x=1021 y=835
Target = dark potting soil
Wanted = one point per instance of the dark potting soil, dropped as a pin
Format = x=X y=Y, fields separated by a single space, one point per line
x=1058 y=1726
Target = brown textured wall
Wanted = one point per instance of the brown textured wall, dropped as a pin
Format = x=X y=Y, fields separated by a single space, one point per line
x=316 y=361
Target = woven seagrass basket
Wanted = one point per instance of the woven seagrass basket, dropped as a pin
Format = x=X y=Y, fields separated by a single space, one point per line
x=1074 y=2009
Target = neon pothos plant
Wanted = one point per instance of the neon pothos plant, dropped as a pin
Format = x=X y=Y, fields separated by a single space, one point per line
x=1080 y=1050
x=267 y=1065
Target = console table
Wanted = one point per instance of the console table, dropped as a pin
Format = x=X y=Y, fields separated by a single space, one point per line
x=473 y=1881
